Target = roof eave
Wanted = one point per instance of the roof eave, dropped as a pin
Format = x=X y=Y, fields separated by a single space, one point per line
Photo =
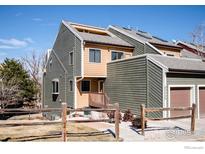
x=171 y=70
x=120 y=45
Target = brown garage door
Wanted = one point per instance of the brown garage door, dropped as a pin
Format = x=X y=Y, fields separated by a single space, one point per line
x=179 y=97
x=202 y=102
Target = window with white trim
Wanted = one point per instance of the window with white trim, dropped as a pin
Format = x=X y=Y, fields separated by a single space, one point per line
x=50 y=64
x=85 y=86
x=116 y=55
x=94 y=55
x=55 y=89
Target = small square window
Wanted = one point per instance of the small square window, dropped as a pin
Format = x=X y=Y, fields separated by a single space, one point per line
x=85 y=86
x=117 y=55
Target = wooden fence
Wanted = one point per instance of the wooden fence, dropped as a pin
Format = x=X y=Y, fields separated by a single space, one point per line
x=64 y=110
x=147 y=110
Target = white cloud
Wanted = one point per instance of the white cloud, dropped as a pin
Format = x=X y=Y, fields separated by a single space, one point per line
x=6 y=47
x=13 y=43
x=37 y=19
x=29 y=40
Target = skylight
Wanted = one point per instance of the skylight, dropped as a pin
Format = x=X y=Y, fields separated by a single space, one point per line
x=145 y=36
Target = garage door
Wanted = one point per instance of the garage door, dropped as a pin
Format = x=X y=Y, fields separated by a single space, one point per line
x=179 y=97
x=202 y=102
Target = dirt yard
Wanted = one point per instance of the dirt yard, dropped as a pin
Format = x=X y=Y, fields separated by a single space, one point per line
x=36 y=133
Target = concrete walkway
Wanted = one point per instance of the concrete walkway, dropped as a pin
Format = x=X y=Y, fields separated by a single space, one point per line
x=178 y=130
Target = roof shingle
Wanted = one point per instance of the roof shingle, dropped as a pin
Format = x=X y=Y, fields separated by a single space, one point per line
x=180 y=63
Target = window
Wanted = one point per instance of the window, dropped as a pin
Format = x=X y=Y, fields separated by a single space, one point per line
x=94 y=55
x=50 y=63
x=170 y=55
x=55 y=90
x=71 y=85
x=85 y=86
x=71 y=58
x=117 y=55
x=55 y=87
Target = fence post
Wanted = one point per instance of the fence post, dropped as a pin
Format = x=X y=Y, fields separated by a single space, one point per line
x=142 y=118
x=64 y=116
x=117 y=121
x=193 y=116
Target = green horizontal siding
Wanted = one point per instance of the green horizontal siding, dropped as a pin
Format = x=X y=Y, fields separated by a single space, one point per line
x=150 y=50
x=155 y=88
x=139 y=47
x=126 y=83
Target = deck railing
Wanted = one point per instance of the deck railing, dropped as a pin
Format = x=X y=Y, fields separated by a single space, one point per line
x=100 y=100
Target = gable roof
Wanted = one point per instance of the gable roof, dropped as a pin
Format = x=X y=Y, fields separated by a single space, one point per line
x=96 y=38
x=180 y=64
x=145 y=37
x=187 y=54
x=191 y=45
x=103 y=39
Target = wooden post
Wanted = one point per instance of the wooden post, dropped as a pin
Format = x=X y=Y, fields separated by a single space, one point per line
x=193 y=116
x=64 y=118
x=142 y=118
x=117 y=121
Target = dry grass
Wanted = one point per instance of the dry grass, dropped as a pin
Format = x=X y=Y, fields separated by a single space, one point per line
x=46 y=133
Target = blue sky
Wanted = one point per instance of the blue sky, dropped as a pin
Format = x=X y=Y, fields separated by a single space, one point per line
x=27 y=28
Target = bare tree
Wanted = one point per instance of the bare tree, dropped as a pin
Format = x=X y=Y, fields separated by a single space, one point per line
x=34 y=65
x=198 y=36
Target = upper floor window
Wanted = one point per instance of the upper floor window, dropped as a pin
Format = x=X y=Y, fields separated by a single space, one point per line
x=50 y=63
x=55 y=86
x=71 y=58
x=95 y=55
x=117 y=55
x=71 y=85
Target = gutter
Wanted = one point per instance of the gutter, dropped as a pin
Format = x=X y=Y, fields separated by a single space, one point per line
x=186 y=71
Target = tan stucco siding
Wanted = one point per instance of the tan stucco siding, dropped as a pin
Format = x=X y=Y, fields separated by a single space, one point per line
x=100 y=69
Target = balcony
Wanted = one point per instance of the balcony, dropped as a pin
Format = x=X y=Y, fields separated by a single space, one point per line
x=99 y=100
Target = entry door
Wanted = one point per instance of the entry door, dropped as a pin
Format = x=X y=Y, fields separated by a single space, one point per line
x=202 y=102
x=180 y=97
x=100 y=86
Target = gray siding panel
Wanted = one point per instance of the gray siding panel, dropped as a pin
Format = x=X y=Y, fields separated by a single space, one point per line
x=139 y=47
x=53 y=72
x=126 y=83
x=155 y=88
x=65 y=42
x=150 y=50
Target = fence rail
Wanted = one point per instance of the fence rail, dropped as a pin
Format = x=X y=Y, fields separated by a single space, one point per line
x=147 y=110
x=64 y=110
